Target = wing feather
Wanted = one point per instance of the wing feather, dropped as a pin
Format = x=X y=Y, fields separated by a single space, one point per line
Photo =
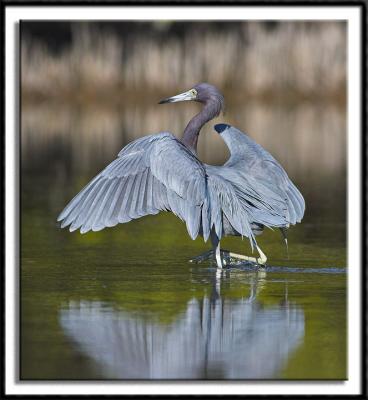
x=98 y=218
x=71 y=210
x=134 y=196
x=158 y=173
x=83 y=208
x=94 y=206
x=154 y=173
x=261 y=182
x=112 y=217
x=108 y=205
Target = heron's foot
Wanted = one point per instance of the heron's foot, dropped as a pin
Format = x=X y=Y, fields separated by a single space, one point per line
x=227 y=257
x=203 y=257
x=261 y=260
x=211 y=255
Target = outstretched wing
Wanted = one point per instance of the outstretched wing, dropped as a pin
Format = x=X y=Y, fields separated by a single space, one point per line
x=151 y=174
x=259 y=180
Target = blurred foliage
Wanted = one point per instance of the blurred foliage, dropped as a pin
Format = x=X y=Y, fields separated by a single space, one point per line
x=92 y=61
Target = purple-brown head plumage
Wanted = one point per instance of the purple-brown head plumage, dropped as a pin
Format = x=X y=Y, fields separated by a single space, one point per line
x=210 y=95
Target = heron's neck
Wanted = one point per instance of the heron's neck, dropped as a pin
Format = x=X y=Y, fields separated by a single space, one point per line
x=191 y=132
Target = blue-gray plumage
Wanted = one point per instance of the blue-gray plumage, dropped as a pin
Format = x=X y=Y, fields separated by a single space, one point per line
x=162 y=173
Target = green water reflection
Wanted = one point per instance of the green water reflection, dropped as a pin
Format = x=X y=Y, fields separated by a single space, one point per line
x=137 y=275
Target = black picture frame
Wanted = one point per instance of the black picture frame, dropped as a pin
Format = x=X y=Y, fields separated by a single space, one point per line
x=361 y=225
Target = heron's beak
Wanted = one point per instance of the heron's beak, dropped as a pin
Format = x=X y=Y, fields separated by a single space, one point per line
x=189 y=95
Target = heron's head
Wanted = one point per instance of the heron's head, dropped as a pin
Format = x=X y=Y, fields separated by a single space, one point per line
x=203 y=93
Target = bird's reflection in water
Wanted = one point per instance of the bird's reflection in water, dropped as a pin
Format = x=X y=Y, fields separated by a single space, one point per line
x=215 y=338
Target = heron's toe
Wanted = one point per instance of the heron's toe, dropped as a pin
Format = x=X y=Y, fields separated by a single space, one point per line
x=202 y=257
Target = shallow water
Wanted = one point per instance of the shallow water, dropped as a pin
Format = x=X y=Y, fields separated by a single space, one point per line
x=125 y=303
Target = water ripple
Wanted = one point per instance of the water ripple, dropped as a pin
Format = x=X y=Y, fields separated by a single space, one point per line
x=308 y=270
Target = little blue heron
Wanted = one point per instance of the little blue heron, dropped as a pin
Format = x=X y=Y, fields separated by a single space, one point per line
x=162 y=173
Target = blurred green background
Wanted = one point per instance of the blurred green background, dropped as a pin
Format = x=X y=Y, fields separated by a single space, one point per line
x=89 y=88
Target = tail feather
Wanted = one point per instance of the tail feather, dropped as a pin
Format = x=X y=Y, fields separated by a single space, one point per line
x=224 y=200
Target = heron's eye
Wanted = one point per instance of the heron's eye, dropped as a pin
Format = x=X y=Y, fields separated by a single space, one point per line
x=193 y=92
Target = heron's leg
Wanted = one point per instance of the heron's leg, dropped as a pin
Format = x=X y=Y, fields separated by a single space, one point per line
x=216 y=246
x=218 y=256
x=259 y=260
x=215 y=252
